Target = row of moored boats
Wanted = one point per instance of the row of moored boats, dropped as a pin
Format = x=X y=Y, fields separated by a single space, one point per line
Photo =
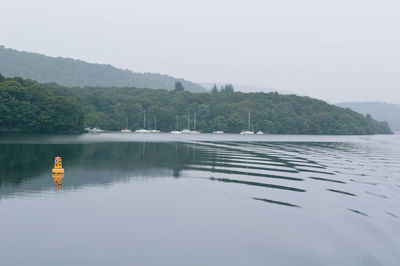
x=185 y=131
x=249 y=131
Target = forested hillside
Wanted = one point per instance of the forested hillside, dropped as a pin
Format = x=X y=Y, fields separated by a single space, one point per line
x=77 y=73
x=27 y=106
x=379 y=110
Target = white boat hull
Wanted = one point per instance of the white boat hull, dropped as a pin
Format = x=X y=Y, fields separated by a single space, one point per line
x=142 y=131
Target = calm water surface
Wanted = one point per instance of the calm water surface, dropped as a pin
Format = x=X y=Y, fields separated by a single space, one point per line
x=200 y=200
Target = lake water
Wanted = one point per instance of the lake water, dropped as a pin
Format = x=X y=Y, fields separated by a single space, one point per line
x=200 y=200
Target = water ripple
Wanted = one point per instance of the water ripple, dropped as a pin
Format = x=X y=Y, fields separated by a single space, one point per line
x=258 y=184
x=358 y=212
x=278 y=202
x=342 y=192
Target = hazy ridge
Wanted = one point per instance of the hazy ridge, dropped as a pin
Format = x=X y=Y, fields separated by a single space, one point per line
x=379 y=110
x=78 y=73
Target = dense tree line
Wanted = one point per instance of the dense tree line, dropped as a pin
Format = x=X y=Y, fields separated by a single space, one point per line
x=30 y=106
x=27 y=106
x=71 y=72
x=108 y=108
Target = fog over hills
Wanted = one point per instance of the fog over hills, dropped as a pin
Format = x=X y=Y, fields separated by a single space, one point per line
x=77 y=73
x=379 y=110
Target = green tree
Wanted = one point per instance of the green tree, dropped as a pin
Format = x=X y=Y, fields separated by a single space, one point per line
x=92 y=120
x=229 y=88
x=214 y=89
x=179 y=86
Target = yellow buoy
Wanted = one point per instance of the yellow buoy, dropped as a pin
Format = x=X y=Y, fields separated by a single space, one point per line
x=58 y=166
x=58 y=172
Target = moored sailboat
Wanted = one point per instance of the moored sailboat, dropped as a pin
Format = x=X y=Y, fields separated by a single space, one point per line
x=144 y=130
x=248 y=131
x=219 y=131
x=194 y=131
x=126 y=130
x=177 y=126
x=187 y=130
x=155 y=130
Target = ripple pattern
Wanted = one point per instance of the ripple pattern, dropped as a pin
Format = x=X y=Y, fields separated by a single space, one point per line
x=312 y=176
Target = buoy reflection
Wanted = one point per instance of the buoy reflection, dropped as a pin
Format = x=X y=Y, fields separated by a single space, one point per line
x=58 y=179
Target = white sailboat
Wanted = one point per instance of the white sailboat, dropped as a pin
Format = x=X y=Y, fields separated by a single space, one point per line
x=187 y=130
x=144 y=130
x=194 y=126
x=177 y=126
x=126 y=130
x=94 y=130
x=155 y=130
x=247 y=132
x=260 y=132
x=219 y=131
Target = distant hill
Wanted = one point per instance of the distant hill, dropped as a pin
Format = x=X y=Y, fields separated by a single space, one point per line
x=77 y=73
x=379 y=110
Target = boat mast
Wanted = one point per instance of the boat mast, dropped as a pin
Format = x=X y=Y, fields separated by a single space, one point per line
x=194 y=120
x=188 y=121
x=249 y=121
x=177 y=122
x=144 y=118
x=127 y=123
x=155 y=122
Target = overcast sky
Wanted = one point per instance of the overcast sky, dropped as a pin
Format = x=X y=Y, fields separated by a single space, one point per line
x=341 y=50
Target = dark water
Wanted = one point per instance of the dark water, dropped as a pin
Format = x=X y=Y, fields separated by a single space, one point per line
x=200 y=200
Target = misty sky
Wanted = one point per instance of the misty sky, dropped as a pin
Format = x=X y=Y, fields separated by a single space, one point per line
x=334 y=50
